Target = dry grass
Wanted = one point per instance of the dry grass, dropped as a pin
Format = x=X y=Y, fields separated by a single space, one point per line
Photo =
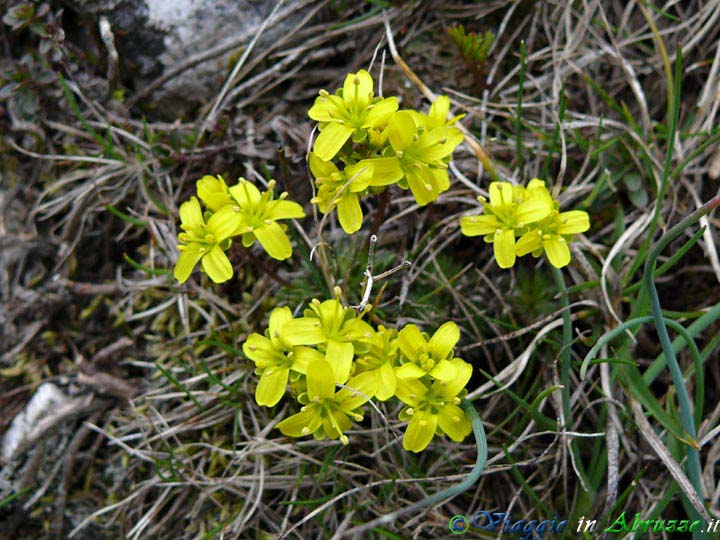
x=165 y=440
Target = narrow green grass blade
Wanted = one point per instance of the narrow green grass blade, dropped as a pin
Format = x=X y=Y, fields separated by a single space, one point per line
x=180 y=386
x=145 y=269
x=125 y=217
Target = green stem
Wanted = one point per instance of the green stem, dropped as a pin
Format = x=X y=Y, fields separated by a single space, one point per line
x=612 y=334
x=679 y=328
x=452 y=491
x=565 y=359
x=694 y=329
x=686 y=419
x=565 y=352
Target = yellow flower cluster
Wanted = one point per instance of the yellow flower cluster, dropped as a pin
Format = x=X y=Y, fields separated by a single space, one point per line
x=241 y=210
x=520 y=220
x=377 y=145
x=332 y=361
x=330 y=345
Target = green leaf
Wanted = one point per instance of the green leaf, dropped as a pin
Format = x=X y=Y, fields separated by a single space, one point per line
x=640 y=391
x=633 y=181
x=639 y=198
x=540 y=419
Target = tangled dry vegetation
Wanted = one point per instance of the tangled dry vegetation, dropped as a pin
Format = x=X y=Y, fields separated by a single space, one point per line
x=154 y=433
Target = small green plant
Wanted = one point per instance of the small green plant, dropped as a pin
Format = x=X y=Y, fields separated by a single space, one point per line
x=26 y=80
x=27 y=15
x=474 y=49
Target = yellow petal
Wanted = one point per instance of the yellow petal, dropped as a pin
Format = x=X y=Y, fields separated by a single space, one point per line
x=410 y=371
x=331 y=139
x=320 y=168
x=358 y=89
x=191 y=215
x=356 y=392
x=441 y=180
x=278 y=317
x=454 y=422
x=327 y=108
x=536 y=183
x=223 y=223
x=360 y=174
x=439 y=110
x=355 y=329
x=217 y=265
x=410 y=341
x=320 y=381
x=573 y=222
x=331 y=313
x=386 y=171
x=261 y=350
x=340 y=355
x=557 y=251
x=479 y=225
x=245 y=194
x=401 y=130
x=304 y=331
x=528 y=243
x=450 y=389
x=272 y=385
x=284 y=209
x=185 y=264
x=439 y=143
x=350 y=213
x=420 y=431
x=302 y=423
x=335 y=424
x=303 y=357
x=387 y=380
x=213 y=192
x=501 y=194
x=423 y=191
x=532 y=210
x=274 y=240
x=444 y=371
x=380 y=113
x=444 y=339
x=504 y=248
x=410 y=391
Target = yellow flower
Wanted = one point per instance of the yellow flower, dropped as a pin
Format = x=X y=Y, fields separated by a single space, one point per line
x=553 y=235
x=428 y=357
x=508 y=214
x=259 y=213
x=380 y=357
x=437 y=115
x=422 y=155
x=327 y=413
x=275 y=359
x=213 y=192
x=204 y=242
x=341 y=189
x=434 y=408
x=351 y=112
x=335 y=328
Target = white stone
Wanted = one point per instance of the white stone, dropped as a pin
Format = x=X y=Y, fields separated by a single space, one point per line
x=47 y=398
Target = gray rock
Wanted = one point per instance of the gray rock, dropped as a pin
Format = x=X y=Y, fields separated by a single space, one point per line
x=153 y=37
